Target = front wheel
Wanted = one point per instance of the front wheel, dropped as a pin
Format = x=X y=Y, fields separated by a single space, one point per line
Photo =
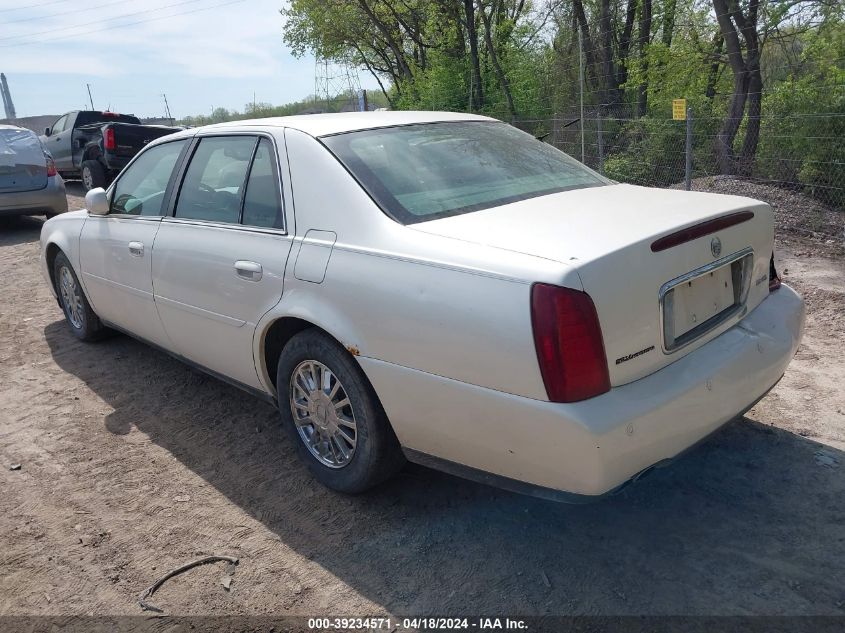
x=333 y=415
x=84 y=324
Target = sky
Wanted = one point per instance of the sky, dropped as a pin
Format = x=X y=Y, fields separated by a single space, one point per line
x=202 y=54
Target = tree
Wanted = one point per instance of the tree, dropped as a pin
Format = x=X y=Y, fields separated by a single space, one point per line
x=495 y=8
x=476 y=89
x=742 y=42
x=383 y=36
x=745 y=26
x=644 y=40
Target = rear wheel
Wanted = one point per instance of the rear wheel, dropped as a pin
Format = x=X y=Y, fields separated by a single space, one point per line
x=84 y=324
x=333 y=415
x=93 y=175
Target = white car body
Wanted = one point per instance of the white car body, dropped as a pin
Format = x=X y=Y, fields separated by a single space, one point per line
x=438 y=315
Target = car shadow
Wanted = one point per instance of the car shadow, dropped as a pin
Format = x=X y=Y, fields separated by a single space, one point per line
x=749 y=522
x=19 y=229
x=75 y=188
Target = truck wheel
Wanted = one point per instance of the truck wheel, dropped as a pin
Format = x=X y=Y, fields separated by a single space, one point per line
x=333 y=415
x=93 y=175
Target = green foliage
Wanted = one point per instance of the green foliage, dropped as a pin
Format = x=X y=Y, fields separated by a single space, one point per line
x=647 y=151
x=442 y=86
x=529 y=65
x=804 y=126
x=303 y=106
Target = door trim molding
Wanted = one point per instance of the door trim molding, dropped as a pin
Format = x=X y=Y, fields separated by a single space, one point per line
x=137 y=292
x=208 y=314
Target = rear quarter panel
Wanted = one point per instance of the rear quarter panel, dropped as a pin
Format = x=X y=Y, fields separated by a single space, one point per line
x=440 y=305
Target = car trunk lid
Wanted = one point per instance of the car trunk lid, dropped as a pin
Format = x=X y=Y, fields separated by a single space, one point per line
x=655 y=304
x=23 y=165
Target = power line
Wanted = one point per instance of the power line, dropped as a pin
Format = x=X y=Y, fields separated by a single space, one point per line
x=56 y=15
x=33 y=6
x=117 y=26
x=116 y=17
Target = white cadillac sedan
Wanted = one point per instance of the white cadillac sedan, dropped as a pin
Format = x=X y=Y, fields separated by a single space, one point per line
x=438 y=287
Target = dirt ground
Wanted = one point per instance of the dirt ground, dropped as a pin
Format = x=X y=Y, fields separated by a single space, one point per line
x=132 y=464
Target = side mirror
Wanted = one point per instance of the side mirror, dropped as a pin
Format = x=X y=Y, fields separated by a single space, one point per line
x=46 y=131
x=97 y=202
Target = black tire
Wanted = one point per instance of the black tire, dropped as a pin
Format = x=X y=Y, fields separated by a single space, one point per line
x=93 y=175
x=376 y=455
x=84 y=324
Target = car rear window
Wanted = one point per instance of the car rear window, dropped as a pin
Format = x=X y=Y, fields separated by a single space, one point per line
x=433 y=170
x=19 y=146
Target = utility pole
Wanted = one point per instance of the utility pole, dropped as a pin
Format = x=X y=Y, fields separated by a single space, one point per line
x=688 y=165
x=581 y=90
x=90 y=98
x=167 y=108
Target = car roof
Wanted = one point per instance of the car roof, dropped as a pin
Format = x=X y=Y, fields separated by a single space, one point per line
x=326 y=124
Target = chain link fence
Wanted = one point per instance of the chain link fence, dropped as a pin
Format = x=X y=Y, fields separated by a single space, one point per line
x=799 y=152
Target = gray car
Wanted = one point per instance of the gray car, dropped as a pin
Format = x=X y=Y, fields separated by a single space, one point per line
x=29 y=182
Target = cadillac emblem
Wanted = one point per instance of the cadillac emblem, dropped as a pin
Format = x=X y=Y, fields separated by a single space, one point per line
x=715 y=247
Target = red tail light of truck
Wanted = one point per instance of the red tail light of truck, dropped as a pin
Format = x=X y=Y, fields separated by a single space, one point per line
x=108 y=139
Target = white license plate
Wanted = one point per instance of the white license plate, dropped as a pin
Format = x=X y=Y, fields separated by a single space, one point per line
x=699 y=301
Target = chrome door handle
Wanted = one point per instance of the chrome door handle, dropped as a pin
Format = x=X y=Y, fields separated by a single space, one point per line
x=136 y=249
x=248 y=270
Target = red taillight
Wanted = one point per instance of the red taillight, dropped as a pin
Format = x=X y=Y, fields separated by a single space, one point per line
x=108 y=140
x=569 y=344
x=51 y=167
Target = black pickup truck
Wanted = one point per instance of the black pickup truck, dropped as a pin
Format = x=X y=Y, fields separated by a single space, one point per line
x=94 y=146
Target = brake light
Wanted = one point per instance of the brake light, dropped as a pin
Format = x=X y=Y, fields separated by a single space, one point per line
x=51 y=167
x=699 y=230
x=570 y=348
x=774 y=279
x=111 y=115
x=108 y=140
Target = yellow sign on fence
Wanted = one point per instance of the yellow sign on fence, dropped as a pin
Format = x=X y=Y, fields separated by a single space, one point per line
x=679 y=109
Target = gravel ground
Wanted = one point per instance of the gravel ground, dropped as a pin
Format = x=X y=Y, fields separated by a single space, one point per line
x=132 y=464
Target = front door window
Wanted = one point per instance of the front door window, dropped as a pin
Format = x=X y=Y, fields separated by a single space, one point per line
x=140 y=189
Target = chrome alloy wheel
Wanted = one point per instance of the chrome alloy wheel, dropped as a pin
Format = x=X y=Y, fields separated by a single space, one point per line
x=323 y=414
x=71 y=297
x=87 y=179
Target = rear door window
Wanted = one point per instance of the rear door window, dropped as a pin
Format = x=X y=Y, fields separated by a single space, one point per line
x=214 y=181
x=262 y=205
